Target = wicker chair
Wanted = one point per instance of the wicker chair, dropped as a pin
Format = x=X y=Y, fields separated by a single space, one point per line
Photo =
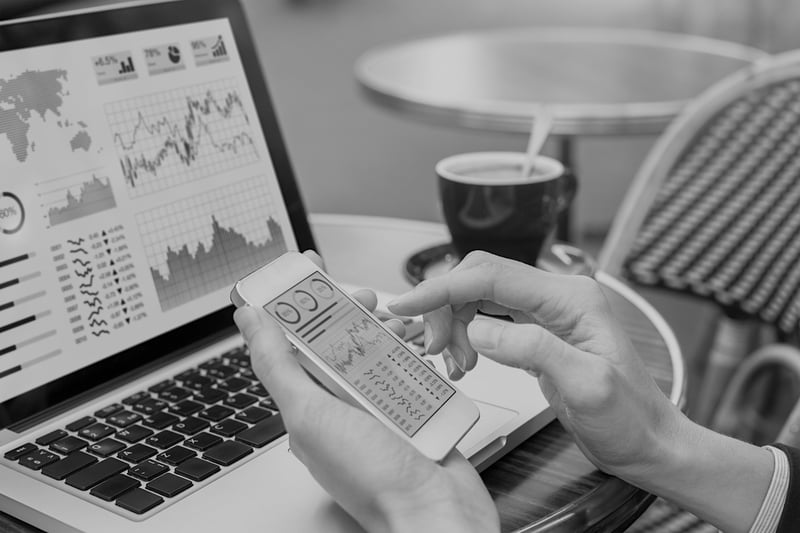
x=715 y=213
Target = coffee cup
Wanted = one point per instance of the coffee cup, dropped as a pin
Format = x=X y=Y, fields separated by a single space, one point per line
x=489 y=205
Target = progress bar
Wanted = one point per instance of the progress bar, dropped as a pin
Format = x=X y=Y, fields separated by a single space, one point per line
x=21 y=279
x=23 y=321
x=18 y=259
x=20 y=301
x=15 y=369
x=23 y=344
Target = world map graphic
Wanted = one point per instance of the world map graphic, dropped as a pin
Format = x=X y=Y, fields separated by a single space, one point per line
x=37 y=94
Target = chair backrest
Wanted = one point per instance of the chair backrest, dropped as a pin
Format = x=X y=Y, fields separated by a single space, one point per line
x=715 y=208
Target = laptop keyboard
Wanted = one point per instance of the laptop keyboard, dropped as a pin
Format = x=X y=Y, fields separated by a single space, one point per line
x=162 y=441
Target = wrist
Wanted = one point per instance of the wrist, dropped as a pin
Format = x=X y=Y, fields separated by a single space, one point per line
x=436 y=507
x=702 y=471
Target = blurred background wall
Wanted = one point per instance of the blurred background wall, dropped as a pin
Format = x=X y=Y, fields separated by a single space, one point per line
x=352 y=157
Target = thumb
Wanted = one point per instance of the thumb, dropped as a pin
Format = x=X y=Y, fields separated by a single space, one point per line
x=526 y=346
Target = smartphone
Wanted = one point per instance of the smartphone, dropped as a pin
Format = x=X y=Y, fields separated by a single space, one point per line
x=351 y=352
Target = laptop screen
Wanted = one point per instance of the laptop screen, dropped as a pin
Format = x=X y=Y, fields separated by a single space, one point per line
x=136 y=186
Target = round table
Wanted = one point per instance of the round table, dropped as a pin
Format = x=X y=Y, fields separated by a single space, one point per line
x=595 y=81
x=546 y=484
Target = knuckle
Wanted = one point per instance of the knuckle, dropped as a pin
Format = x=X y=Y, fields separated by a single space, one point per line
x=605 y=384
x=590 y=290
x=476 y=257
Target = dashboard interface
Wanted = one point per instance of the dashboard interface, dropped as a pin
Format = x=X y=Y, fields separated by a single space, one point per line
x=358 y=349
x=136 y=187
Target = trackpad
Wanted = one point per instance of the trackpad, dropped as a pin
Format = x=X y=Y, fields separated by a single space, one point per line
x=487 y=429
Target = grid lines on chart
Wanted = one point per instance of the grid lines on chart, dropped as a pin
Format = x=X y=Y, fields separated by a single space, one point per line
x=214 y=238
x=170 y=138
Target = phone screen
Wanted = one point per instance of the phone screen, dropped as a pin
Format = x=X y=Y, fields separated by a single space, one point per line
x=358 y=348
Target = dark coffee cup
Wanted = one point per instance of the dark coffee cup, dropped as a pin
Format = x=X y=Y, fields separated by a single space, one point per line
x=489 y=205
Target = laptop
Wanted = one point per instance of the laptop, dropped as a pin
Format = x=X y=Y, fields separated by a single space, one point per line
x=142 y=172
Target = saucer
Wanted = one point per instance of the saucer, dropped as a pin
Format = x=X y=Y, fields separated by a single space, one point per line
x=431 y=262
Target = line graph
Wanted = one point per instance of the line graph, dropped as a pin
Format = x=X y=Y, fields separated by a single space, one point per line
x=170 y=138
x=204 y=243
x=354 y=345
x=75 y=196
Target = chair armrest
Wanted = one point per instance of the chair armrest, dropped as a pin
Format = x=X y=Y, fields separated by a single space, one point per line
x=727 y=416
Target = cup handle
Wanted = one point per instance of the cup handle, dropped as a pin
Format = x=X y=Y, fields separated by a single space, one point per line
x=569 y=190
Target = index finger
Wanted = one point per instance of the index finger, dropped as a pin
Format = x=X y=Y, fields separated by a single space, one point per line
x=515 y=286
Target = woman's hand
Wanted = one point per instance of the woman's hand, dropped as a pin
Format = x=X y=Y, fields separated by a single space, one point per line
x=564 y=333
x=377 y=477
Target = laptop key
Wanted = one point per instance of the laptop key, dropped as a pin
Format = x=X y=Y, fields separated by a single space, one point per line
x=97 y=431
x=106 y=447
x=196 y=469
x=247 y=373
x=190 y=425
x=175 y=456
x=137 y=453
x=97 y=473
x=68 y=465
x=19 y=451
x=148 y=470
x=228 y=428
x=160 y=420
x=209 y=395
x=136 y=398
x=149 y=406
x=263 y=433
x=186 y=408
x=114 y=487
x=258 y=390
x=67 y=445
x=221 y=371
x=80 y=423
x=252 y=415
x=139 y=501
x=38 y=459
x=228 y=452
x=105 y=412
x=216 y=413
x=134 y=433
x=123 y=419
x=198 y=382
x=240 y=401
x=234 y=384
x=161 y=385
x=187 y=374
x=169 y=485
x=51 y=437
x=174 y=394
x=165 y=439
x=268 y=403
x=202 y=441
x=211 y=363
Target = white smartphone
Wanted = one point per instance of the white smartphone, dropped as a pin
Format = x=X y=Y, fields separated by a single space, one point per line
x=351 y=352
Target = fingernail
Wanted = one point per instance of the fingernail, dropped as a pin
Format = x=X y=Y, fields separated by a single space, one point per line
x=448 y=363
x=428 y=336
x=483 y=334
x=394 y=302
x=459 y=358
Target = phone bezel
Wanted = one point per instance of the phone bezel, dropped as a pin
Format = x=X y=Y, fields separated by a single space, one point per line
x=435 y=439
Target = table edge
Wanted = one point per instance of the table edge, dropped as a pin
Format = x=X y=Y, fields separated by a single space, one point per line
x=569 y=119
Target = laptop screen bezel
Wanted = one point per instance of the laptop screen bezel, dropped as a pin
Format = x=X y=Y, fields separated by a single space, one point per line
x=46 y=400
